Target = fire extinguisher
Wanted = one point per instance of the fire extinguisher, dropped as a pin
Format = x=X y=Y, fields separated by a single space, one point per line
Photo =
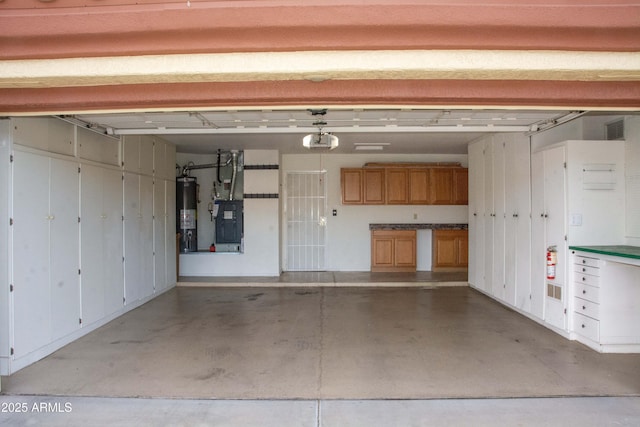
x=552 y=260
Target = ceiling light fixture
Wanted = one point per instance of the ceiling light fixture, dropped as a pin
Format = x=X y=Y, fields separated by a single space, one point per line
x=319 y=140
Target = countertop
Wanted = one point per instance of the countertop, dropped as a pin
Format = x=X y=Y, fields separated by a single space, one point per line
x=421 y=226
x=613 y=250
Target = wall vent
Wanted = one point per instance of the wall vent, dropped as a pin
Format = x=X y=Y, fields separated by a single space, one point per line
x=615 y=130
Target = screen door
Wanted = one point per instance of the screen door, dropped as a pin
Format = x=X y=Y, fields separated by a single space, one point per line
x=306 y=205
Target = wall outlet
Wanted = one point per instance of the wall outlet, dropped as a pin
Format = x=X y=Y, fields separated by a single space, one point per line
x=415 y=216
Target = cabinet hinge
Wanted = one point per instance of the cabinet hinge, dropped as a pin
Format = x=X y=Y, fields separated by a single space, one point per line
x=78 y=220
x=11 y=158
x=529 y=296
x=123 y=217
x=10 y=288
x=80 y=321
x=122 y=163
x=565 y=311
x=123 y=174
x=12 y=351
x=78 y=169
x=124 y=300
x=565 y=165
x=565 y=237
x=122 y=259
x=10 y=221
x=79 y=272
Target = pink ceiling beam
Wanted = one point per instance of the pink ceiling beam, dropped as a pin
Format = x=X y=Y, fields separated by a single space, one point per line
x=425 y=93
x=110 y=27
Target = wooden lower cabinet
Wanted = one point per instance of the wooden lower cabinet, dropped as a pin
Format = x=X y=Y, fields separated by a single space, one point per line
x=450 y=250
x=393 y=250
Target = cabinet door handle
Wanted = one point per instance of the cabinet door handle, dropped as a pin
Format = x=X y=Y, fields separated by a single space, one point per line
x=584 y=269
x=583 y=326
x=584 y=261
x=584 y=278
x=584 y=308
x=584 y=292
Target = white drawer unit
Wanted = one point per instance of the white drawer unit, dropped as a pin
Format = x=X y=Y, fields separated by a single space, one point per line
x=587 y=261
x=586 y=308
x=587 y=292
x=583 y=269
x=606 y=299
x=587 y=327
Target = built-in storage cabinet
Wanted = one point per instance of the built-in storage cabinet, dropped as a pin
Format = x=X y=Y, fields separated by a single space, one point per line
x=606 y=302
x=362 y=186
x=46 y=286
x=499 y=219
x=393 y=250
x=77 y=220
x=405 y=184
x=138 y=237
x=101 y=242
x=577 y=199
x=46 y=134
x=523 y=203
x=99 y=148
x=450 y=250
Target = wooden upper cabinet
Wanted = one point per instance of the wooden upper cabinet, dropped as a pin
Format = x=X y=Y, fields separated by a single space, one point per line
x=374 y=186
x=461 y=186
x=405 y=185
x=419 y=186
x=397 y=186
x=351 y=181
x=442 y=186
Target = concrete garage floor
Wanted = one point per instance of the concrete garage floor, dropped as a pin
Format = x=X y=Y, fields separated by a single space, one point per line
x=324 y=356
x=326 y=343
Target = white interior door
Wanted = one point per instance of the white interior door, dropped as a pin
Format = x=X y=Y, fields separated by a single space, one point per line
x=306 y=205
x=555 y=196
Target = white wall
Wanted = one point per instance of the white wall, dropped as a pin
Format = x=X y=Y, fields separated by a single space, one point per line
x=632 y=172
x=593 y=128
x=348 y=234
x=261 y=255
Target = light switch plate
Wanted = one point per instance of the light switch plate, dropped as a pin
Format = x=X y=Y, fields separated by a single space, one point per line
x=575 y=220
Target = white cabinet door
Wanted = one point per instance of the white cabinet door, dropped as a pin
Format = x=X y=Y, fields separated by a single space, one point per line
x=510 y=222
x=132 y=240
x=488 y=217
x=31 y=217
x=159 y=235
x=146 y=155
x=476 y=210
x=101 y=231
x=112 y=224
x=498 y=218
x=92 y=243
x=521 y=178
x=138 y=237
x=538 y=239
x=170 y=245
x=555 y=216
x=146 y=234
x=64 y=247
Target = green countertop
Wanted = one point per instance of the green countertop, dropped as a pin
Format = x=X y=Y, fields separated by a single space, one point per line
x=614 y=250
